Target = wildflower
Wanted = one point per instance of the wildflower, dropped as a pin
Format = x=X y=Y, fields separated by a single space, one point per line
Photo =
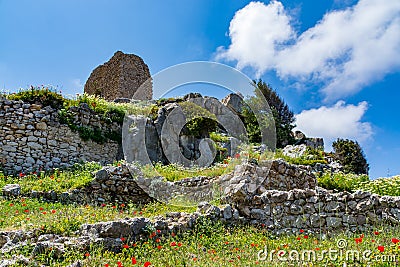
x=103 y=205
x=41 y=208
x=179 y=244
x=122 y=239
x=301 y=231
x=298 y=238
x=395 y=241
x=252 y=244
x=11 y=204
x=358 y=240
x=173 y=244
x=119 y=264
x=376 y=233
x=106 y=265
x=158 y=240
x=44 y=213
x=53 y=211
x=158 y=231
x=114 y=207
x=306 y=236
x=381 y=248
x=87 y=254
x=146 y=264
x=159 y=247
x=134 y=261
x=125 y=246
x=26 y=211
x=122 y=205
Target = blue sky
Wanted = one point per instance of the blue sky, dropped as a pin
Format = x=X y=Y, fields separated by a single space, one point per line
x=336 y=63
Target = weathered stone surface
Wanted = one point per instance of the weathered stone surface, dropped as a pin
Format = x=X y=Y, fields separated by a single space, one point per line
x=11 y=190
x=123 y=76
x=47 y=143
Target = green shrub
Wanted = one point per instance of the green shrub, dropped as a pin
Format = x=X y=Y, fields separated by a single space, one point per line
x=350 y=156
x=342 y=181
x=382 y=186
x=310 y=157
x=40 y=95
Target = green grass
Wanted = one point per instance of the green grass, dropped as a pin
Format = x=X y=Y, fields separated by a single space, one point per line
x=59 y=181
x=215 y=245
x=210 y=244
x=175 y=172
x=311 y=157
x=30 y=214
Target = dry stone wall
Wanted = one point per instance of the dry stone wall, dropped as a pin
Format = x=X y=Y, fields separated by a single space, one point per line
x=33 y=138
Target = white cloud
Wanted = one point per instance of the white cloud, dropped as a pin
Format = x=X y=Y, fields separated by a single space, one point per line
x=337 y=121
x=346 y=50
x=256 y=32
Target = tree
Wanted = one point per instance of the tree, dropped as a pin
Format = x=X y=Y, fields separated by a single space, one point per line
x=351 y=156
x=283 y=116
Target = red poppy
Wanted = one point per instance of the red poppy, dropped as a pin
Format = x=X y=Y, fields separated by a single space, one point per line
x=103 y=205
x=395 y=240
x=134 y=261
x=106 y=265
x=299 y=238
x=159 y=247
x=179 y=244
x=301 y=231
x=147 y=264
x=41 y=208
x=125 y=246
x=122 y=239
x=358 y=240
x=11 y=204
x=158 y=240
x=381 y=248
x=376 y=233
x=53 y=211
x=173 y=244
x=87 y=254
x=306 y=236
x=158 y=231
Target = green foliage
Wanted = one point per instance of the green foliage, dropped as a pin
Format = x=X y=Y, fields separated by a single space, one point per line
x=342 y=181
x=382 y=186
x=350 y=156
x=175 y=172
x=310 y=157
x=77 y=176
x=217 y=137
x=46 y=96
x=284 y=118
x=200 y=122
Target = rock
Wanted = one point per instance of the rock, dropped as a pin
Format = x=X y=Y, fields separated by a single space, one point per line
x=11 y=190
x=123 y=76
x=234 y=102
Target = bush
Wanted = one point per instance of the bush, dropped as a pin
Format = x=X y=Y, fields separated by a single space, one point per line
x=40 y=95
x=341 y=181
x=283 y=117
x=350 y=156
x=310 y=157
x=382 y=186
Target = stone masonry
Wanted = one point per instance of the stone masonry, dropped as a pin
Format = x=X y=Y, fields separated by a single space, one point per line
x=123 y=76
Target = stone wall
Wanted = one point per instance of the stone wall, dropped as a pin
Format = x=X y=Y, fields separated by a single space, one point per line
x=33 y=138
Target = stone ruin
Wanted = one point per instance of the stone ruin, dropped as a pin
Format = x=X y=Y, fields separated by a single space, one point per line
x=124 y=76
